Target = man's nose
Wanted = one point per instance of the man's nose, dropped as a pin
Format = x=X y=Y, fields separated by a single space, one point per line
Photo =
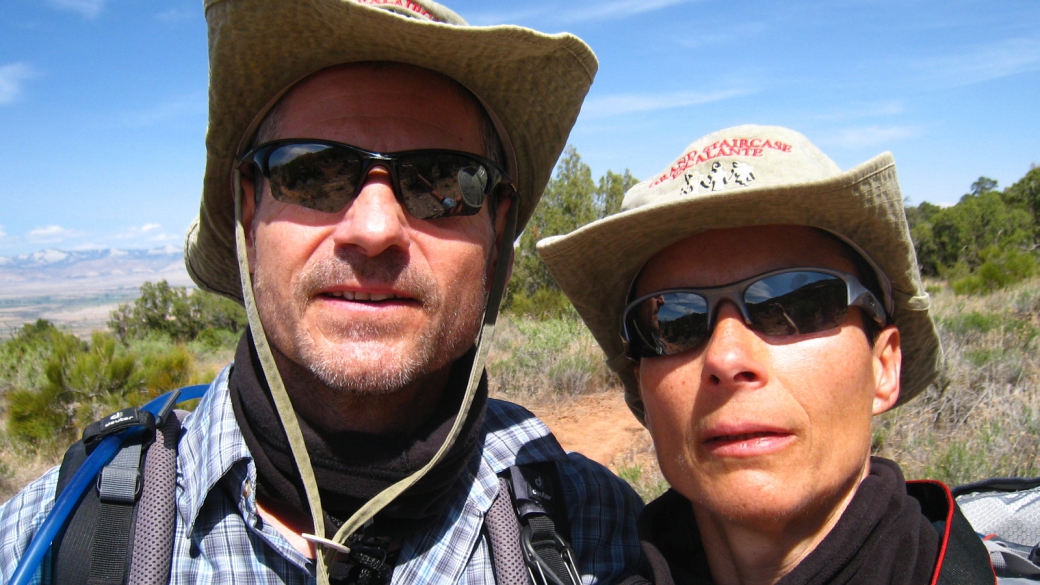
x=374 y=221
x=732 y=358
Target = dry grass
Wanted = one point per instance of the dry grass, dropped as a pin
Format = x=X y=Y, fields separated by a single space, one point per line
x=638 y=466
x=545 y=362
x=20 y=466
x=982 y=417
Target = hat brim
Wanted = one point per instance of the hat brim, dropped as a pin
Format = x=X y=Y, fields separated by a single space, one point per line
x=531 y=83
x=597 y=264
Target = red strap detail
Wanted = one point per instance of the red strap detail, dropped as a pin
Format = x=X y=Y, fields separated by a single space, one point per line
x=946 y=529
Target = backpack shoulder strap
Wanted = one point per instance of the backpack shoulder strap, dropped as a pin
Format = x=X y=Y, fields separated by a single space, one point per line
x=962 y=559
x=122 y=530
x=1006 y=513
x=535 y=531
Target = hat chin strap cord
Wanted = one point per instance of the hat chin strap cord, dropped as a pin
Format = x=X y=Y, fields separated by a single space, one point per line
x=284 y=407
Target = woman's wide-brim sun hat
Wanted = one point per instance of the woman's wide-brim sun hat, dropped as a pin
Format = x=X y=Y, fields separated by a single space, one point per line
x=747 y=176
x=531 y=84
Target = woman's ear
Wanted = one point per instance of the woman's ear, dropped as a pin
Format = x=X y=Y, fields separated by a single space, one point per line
x=888 y=361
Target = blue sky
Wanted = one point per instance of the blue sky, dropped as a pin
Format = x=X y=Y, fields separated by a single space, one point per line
x=103 y=102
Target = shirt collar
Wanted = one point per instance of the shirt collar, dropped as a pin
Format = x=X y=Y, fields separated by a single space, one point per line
x=211 y=445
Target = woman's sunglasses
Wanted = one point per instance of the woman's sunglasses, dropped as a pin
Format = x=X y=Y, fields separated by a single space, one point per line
x=790 y=301
x=326 y=176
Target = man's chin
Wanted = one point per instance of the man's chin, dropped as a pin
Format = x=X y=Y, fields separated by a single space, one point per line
x=367 y=368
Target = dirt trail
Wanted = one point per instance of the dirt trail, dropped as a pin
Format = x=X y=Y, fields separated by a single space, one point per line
x=600 y=426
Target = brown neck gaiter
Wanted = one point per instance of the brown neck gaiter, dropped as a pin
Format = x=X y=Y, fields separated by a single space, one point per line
x=352 y=467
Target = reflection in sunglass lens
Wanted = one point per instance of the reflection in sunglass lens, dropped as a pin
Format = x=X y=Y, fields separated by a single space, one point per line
x=445 y=184
x=787 y=303
x=796 y=302
x=316 y=176
x=670 y=323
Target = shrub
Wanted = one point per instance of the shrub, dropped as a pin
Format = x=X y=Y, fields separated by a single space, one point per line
x=976 y=324
x=980 y=419
x=1000 y=268
x=571 y=199
x=546 y=359
x=175 y=312
x=166 y=371
x=545 y=303
x=83 y=382
x=24 y=357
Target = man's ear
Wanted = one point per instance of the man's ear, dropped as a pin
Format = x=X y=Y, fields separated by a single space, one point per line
x=888 y=361
x=501 y=217
x=248 y=215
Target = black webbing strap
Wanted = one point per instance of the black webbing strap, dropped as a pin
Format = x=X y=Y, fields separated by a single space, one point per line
x=119 y=486
x=549 y=550
x=535 y=491
x=95 y=547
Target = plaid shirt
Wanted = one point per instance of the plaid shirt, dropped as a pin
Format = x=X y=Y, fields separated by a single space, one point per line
x=220 y=538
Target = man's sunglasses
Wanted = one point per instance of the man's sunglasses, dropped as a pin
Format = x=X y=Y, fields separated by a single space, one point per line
x=326 y=176
x=790 y=301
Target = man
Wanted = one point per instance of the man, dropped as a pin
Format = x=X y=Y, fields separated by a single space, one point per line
x=370 y=161
x=769 y=305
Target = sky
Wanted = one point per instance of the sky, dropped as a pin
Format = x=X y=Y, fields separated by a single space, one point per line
x=103 y=102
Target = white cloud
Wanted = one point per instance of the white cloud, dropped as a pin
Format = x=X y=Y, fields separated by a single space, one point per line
x=588 y=12
x=737 y=32
x=6 y=239
x=617 y=9
x=51 y=234
x=980 y=63
x=863 y=110
x=617 y=105
x=175 y=15
x=871 y=135
x=189 y=105
x=11 y=78
x=150 y=230
x=86 y=8
x=494 y=18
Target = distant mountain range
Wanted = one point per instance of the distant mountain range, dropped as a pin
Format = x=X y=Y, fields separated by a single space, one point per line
x=79 y=272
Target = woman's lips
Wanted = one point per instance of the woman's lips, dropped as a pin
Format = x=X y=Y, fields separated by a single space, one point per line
x=746 y=442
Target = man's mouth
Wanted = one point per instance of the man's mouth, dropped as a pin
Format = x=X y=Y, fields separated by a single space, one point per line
x=363 y=296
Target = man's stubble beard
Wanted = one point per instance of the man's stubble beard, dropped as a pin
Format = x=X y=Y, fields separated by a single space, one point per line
x=371 y=371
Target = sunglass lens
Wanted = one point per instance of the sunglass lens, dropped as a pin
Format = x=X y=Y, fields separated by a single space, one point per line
x=442 y=184
x=317 y=176
x=797 y=302
x=669 y=323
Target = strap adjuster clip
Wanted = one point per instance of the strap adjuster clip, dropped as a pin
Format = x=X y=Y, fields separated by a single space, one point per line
x=119 y=485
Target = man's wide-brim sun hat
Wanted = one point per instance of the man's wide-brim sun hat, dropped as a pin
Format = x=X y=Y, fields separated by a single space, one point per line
x=747 y=176
x=531 y=84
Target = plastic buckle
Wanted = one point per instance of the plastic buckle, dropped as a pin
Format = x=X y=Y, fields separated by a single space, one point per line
x=545 y=574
